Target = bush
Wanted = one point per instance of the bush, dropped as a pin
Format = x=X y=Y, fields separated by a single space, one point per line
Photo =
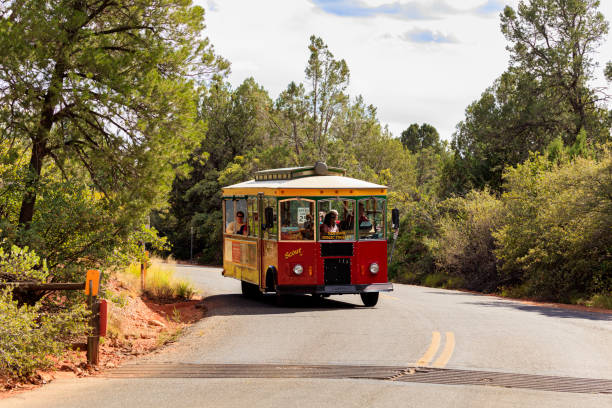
x=412 y=259
x=602 y=300
x=30 y=338
x=557 y=239
x=464 y=247
x=21 y=265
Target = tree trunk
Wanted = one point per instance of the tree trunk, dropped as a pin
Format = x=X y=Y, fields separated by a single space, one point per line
x=39 y=151
x=39 y=145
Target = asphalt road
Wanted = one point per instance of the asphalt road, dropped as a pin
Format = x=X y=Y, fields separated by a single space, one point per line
x=448 y=333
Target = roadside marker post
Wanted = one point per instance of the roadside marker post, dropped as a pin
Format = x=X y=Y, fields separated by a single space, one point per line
x=143 y=272
x=92 y=286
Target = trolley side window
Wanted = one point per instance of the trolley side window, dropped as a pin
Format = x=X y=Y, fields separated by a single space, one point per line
x=271 y=229
x=253 y=217
x=296 y=218
x=236 y=217
x=337 y=219
x=371 y=221
x=229 y=213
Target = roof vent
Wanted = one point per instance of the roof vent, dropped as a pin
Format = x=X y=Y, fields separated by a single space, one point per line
x=320 y=169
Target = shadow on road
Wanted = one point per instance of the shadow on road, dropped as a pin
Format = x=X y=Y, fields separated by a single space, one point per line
x=550 y=311
x=237 y=305
x=547 y=310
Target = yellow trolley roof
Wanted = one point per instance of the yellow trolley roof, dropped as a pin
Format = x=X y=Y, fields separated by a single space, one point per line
x=317 y=180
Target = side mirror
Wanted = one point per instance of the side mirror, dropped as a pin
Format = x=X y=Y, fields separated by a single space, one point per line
x=269 y=217
x=395 y=218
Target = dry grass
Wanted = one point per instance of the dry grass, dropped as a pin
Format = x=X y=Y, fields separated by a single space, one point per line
x=160 y=282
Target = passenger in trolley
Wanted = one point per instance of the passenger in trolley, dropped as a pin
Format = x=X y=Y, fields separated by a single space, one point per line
x=239 y=226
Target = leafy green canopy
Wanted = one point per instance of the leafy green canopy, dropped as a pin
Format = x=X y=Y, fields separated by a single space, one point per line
x=98 y=105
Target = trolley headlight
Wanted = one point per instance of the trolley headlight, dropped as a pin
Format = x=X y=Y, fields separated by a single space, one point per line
x=374 y=268
x=298 y=269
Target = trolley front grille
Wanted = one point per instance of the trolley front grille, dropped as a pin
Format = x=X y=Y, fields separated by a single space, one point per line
x=337 y=271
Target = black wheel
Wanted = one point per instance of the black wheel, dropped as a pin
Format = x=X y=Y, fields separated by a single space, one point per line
x=369 y=299
x=249 y=290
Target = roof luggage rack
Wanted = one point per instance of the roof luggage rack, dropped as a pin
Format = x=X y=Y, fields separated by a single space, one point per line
x=290 y=173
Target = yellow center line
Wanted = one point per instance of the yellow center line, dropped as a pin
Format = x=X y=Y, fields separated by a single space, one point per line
x=432 y=350
x=389 y=296
x=447 y=352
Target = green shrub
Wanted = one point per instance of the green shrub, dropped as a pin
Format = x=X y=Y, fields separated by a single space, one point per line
x=435 y=280
x=556 y=239
x=603 y=301
x=21 y=264
x=412 y=258
x=465 y=244
x=29 y=338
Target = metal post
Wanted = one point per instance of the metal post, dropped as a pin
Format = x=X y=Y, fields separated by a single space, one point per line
x=191 y=253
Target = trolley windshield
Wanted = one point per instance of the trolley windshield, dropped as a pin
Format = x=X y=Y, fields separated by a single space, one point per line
x=336 y=219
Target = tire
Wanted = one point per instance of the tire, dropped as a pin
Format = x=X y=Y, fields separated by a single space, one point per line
x=369 y=299
x=249 y=290
x=270 y=280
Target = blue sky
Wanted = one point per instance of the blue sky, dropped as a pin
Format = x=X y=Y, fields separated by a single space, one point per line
x=408 y=10
x=417 y=61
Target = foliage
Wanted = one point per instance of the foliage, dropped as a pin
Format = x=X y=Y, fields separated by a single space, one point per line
x=30 y=339
x=21 y=265
x=464 y=246
x=97 y=111
x=556 y=239
x=417 y=137
x=555 y=41
x=602 y=301
x=237 y=128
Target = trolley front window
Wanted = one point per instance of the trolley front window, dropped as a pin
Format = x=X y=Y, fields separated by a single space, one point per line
x=296 y=220
x=337 y=219
x=371 y=221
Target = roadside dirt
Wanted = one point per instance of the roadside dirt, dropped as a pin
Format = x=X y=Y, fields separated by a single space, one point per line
x=136 y=326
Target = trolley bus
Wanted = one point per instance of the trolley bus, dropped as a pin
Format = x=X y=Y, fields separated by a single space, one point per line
x=306 y=230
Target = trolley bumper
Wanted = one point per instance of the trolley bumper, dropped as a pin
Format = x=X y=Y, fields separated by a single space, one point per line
x=335 y=289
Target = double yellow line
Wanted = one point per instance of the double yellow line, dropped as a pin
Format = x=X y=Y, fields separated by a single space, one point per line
x=444 y=356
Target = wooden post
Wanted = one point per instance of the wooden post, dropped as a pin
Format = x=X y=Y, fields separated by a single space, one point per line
x=142 y=276
x=143 y=271
x=92 y=285
x=93 y=340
